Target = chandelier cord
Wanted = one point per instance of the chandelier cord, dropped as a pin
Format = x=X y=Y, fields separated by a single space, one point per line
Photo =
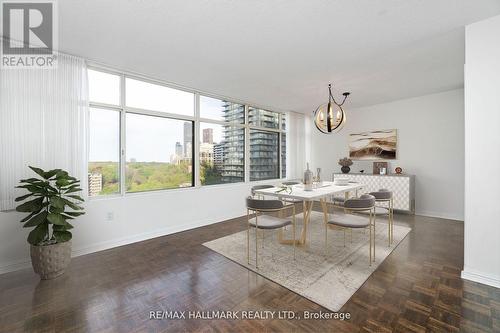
x=331 y=98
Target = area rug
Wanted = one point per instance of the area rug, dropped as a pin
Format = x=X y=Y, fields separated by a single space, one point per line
x=326 y=280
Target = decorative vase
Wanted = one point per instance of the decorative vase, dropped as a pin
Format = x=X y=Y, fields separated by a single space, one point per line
x=50 y=261
x=308 y=178
x=318 y=176
x=345 y=169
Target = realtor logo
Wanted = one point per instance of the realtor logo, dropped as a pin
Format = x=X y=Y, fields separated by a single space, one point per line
x=29 y=34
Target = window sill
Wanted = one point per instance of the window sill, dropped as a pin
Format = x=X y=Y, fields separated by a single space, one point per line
x=176 y=190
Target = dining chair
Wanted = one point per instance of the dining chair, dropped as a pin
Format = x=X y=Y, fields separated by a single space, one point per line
x=259 y=207
x=385 y=197
x=346 y=220
x=259 y=187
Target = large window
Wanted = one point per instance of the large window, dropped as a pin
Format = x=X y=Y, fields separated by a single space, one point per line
x=264 y=152
x=216 y=109
x=263 y=118
x=156 y=158
x=104 y=154
x=149 y=96
x=267 y=155
x=142 y=138
x=222 y=154
x=222 y=142
x=104 y=88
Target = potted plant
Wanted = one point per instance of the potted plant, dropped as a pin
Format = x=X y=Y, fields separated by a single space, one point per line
x=345 y=163
x=53 y=202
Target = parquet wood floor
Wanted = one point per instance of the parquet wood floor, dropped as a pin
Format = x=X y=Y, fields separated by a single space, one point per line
x=416 y=289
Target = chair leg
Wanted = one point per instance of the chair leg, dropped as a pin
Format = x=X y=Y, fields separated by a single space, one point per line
x=248 y=245
x=256 y=248
x=392 y=221
x=374 y=233
x=256 y=242
x=293 y=227
x=370 y=226
x=248 y=238
x=326 y=239
x=389 y=225
x=344 y=237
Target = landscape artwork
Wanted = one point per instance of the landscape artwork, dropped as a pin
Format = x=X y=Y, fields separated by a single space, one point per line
x=373 y=145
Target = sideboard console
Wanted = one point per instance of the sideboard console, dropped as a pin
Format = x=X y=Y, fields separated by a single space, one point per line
x=402 y=187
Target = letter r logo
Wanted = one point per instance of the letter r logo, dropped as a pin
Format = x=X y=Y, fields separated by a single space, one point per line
x=28 y=27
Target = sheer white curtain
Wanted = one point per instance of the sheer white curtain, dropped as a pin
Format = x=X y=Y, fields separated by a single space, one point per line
x=43 y=123
x=298 y=141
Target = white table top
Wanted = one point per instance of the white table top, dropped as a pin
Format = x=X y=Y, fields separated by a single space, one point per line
x=299 y=193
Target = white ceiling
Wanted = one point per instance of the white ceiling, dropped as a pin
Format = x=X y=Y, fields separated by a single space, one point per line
x=280 y=53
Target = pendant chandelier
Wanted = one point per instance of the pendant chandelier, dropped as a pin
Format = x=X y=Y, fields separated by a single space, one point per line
x=330 y=117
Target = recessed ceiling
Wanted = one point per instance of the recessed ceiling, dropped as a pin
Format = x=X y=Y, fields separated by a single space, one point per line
x=281 y=53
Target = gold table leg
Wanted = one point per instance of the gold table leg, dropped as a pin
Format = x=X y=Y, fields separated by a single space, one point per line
x=307 y=208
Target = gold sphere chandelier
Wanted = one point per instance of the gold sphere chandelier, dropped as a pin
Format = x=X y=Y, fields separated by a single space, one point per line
x=330 y=117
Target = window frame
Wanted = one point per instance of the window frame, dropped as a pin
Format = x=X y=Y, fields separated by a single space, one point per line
x=222 y=123
x=196 y=119
x=278 y=130
x=108 y=107
x=146 y=113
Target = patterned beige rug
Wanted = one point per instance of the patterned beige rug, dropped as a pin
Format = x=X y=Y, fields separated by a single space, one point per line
x=327 y=280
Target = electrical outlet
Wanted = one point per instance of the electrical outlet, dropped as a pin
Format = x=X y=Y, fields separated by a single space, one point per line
x=110 y=216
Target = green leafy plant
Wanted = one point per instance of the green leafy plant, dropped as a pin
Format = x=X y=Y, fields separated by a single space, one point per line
x=53 y=202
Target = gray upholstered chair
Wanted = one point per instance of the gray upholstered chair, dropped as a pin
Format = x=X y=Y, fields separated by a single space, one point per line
x=385 y=207
x=266 y=222
x=346 y=220
x=259 y=187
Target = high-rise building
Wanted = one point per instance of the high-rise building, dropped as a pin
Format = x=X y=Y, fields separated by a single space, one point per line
x=264 y=161
x=264 y=145
x=207 y=153
x=188 y=148
x=208 y=135
x=218 y=154
x=228 y=156
x=178 y=155
x=232 y=151
x=188 y=138
x=178 y=149
x=95 y=184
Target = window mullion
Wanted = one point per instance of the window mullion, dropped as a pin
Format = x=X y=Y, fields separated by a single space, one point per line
x=280 y=164
x=122 y=136
x=247 y=147
x=196 y=141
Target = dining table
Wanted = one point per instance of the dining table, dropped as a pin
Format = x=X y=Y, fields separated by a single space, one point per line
x=320 y=192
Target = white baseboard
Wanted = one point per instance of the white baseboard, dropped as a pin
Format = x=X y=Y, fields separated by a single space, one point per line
x=480 y=277
x=15 y=265
x=101 y=246
x=440 y=215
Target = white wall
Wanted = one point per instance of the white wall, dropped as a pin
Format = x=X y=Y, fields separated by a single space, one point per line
x=430 y=146
x=136 y=217
x=482 y=153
